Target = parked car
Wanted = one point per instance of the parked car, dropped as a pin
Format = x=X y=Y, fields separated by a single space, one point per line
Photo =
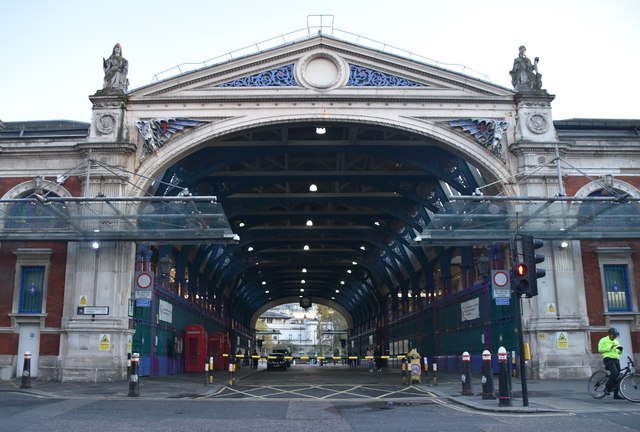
x=276 y=361
x=285 y=352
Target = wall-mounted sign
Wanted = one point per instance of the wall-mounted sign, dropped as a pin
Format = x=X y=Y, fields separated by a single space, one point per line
x=143 y=285
x=93 y=310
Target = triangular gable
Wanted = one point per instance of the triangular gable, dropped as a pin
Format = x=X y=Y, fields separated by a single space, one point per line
x=280 y=67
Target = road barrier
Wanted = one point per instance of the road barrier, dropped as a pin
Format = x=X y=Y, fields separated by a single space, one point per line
x=26 y=371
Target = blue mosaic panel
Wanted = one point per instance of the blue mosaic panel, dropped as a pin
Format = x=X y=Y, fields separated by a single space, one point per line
x=279 y=77
x=364 y=77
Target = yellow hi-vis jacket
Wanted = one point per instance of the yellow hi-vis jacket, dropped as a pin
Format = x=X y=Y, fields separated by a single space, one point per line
x=608 y=348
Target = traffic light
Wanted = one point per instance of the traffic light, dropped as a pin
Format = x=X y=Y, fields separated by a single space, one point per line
x=520 y=278
x=530 y=259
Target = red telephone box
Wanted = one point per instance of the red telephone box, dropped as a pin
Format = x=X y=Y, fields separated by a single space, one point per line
x=219 y=345
x=195 y=348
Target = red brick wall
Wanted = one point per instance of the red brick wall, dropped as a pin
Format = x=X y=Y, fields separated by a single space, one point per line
x=573 y=184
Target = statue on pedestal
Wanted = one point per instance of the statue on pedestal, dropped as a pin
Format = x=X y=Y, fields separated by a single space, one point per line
x=524 y=75
x=115 y=68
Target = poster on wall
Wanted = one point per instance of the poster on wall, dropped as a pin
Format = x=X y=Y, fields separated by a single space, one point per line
x=165 y=311
x=470 y=310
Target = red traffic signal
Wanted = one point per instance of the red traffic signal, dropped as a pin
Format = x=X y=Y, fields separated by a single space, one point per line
x=521 y=270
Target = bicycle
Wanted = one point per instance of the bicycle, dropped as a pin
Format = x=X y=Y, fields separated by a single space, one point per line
x=628 y=380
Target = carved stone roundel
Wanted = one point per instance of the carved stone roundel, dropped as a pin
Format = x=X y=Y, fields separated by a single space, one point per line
x=537 y=124
x=106 y=123
x=321 y=71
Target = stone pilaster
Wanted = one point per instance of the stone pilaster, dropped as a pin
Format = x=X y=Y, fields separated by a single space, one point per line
x=94 y=348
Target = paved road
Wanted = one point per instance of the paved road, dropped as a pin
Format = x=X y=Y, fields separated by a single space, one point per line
x=334 y=399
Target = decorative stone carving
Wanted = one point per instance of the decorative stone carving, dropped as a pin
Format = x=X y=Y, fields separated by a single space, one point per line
x=487 y=132
x=106 y=123
x=537 y=124
x=157 y=132
x=361 y=76
x=278 y=77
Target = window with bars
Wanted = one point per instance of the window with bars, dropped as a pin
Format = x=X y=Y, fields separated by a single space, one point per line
x=617 y=293
x=31 y=289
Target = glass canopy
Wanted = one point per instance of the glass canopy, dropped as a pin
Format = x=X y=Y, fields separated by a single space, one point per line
x=189 y=219
x=154 y=220
x=497 y=218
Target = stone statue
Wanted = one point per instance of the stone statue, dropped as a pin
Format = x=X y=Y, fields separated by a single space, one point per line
x=524 y=75
x=115 y=68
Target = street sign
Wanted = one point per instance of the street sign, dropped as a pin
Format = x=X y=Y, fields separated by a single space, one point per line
x=501 y=301
x=93 y=310
x=143 y=286
x=143 y=303
x=500 y=284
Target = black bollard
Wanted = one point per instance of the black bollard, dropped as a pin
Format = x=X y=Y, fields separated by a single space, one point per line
x=504 y=379
x=206 y=373
x=26 y=371
x=487 y=376
x=405 y=370
x=134 y=381
x=466 y=374
x=210 y=370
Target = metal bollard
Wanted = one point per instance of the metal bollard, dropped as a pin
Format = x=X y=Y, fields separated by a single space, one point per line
x=466 y=374
x=403 y=362
x=487 y=376
x=426 y=368
x=210 y=370
x=134 y=381
x=504 y=398
x=26 y=371
x=434 y=368
x=232 y=370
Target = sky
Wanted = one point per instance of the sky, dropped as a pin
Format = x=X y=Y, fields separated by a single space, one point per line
x=53 y=50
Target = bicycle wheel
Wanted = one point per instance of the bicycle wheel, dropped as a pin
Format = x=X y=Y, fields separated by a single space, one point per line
x=597 y=384
x=630 y=387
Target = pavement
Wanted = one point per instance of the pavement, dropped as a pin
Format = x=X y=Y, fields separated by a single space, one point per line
x=544 y=396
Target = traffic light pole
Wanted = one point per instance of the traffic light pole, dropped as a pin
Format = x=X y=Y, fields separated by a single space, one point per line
x=523 y=370
x=518 y=318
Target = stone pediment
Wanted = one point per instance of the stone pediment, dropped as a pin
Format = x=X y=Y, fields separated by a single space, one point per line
x=319 y=66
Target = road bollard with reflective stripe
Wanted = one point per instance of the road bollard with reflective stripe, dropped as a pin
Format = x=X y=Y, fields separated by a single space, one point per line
x=210 y=370
x=487 y=376
x=434 y=368
x=466 y=374
x=134 y=380
x=26 y=371
x=206 y=373
x=504 y=379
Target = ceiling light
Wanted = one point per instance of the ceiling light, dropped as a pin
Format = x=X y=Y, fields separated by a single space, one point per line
x=264 y=282
x=313 y=188
x=304 y=270
x=354 y=263
x=309 y=222
x=241 y=224
x=306 y=247
x=303 y=281
x=301 y=289
x=266 y=292
x=337 y=291
x=320 y=130
x=362 y=248
x=349 y=271
x=564 y=244
x=250 y=248
x=95 y=245
x=341 y=282
x=376 y=223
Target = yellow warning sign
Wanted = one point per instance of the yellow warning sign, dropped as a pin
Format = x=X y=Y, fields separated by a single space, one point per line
x=551 y=309
x=105 y=343
x=563 y=343
x=83 y=300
